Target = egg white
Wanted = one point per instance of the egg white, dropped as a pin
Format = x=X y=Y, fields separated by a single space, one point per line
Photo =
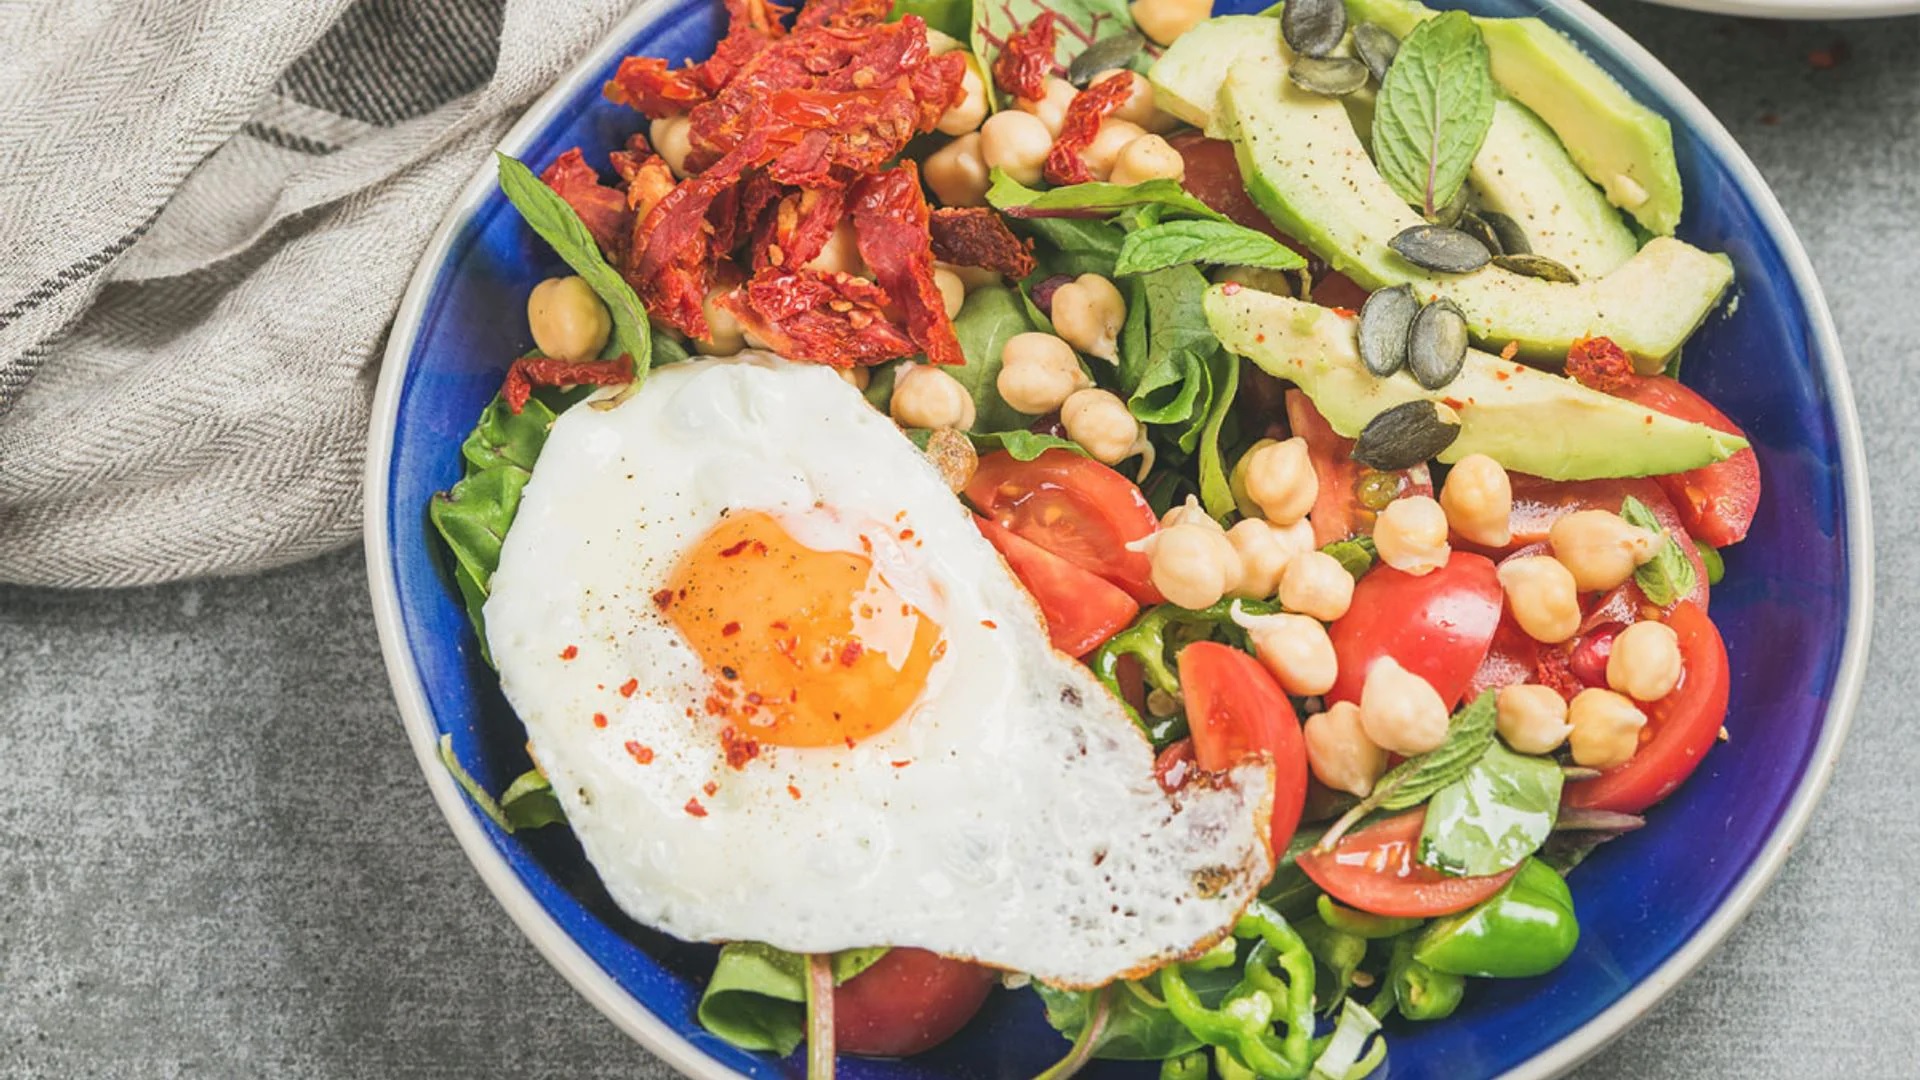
x=1011 y=817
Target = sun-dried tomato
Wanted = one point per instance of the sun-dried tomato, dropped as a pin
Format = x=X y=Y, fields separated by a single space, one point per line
x=531 y=371
x=822 y=318
x=799 y=228
x=1082 y=124
x=1552 y=670
x=890 y=221
x=1026 y=59
x=1598 y=364
x=977 y=236
x=843 y=14
x=645 y=173
x=602 y=209
x=645 y=84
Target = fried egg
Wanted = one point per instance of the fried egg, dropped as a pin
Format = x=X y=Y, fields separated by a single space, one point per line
x=787 y=693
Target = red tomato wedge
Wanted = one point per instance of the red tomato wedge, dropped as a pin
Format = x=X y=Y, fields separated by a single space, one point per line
x=1538 y=503
x=910 y=1000
x=1681 y=727
x=1073 y=507
x=1236 y=711
x=1377 y=869
x=1437 y=626
x=1716 y=502
x=1081 y=610
x=1349 y=491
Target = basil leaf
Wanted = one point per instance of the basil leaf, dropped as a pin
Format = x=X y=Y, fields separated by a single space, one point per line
x=756 y=999
x=1433 y=110
x=990 y=316
x=1499 y=813
x=953 y=18
x=1093 y=199
x=1217 y=243
x=529 y=802
x=1215 y=493
x=1414 y=780
x=1023 y=445
x=1669 y=575
x=559 y=226
x=1355 y=555
x=1077 y=24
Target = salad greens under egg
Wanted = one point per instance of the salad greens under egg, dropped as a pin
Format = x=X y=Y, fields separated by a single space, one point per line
x=1313 y=372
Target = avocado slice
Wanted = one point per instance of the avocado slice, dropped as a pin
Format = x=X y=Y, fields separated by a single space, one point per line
x=1528 y=420
x=1186 y=79
x=1305 y=167
x=1524 y=172
x=1619 y=143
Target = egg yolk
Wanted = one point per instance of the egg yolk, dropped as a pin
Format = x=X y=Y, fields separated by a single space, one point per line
x=806 y=648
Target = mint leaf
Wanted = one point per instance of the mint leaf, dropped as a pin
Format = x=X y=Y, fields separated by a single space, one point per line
x=1093 y=199
x=1433 y=110
x=1414 y=780
x=1216 y=243
x=1669 y=575
x=559 y=226
x=1499 y=813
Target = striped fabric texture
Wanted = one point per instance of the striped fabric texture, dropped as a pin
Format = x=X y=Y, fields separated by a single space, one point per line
x=208 y=212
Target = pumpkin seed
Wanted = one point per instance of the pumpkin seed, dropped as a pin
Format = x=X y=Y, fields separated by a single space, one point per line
x=1313 y=27
x=1377 y=47
x=1437 y=344
x=1404 y=436
x=1536 y=266
x=1476 y=226
x=1104 y=56
x=1436 y=247
x=1513 y=238
x=1334 y=76
x=1385 y=319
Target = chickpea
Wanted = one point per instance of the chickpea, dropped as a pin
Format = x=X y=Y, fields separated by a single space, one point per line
x=1148 y=157
x=1088 y=313
x=926 y=397
x=567 y=318
x=1038 y=373
x=1606 y=728
x=1542 y=597
x=856 y=377
x=1401 y=711
x=671 y=137
x=953 y=457
x=1645 y=662
x=1411 y=535
x=940 y=43
x=1101 y=423
x=1114 y=136
x=1016 y=143
x=1165 y=20
x=1341 y=755
x=1314 y=583
x=1188 y=512
x=725 y=335
x=972 y=277
x=1295 y=648
x=953 y=291
x=1478 y=499
x=957 y=172
x=1532 y=718
x=841 y=252
x=1258 y=278
x=1265 y=550
x=1051 y=107
x=1280 y=480
x=972 y=110
x=1192 y=566
x=1600 y=548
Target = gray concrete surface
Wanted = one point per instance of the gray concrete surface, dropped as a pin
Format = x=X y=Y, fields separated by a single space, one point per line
x=217 y=859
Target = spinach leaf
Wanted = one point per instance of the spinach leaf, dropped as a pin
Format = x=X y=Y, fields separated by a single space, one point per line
x=1077 y=24
x=560 y=227
x=1669 y=575
x=1217 y=243
x=1171 y=384
x=1499 y=813
x=990 y=316
x=529 y=802
x=1023 y=445
x=1093 y=199
x=1215 y=493
x=953 y=18
x=1075 y=246
x=1433 y=110
x=757 y=997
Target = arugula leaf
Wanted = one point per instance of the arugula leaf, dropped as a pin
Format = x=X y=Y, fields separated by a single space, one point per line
x=1093 y=199
x=756 y=999
x=1433 y=110
x=1217 y=243
x=1023 y=445
x=1499 y=813
x=1077 y=24
x=1355 y=555
x=1669 y=575
x=529 y=802
x=990 y=316
x=1215 y=493
x=953 y=18
x=1414 y=780
x=559 y=226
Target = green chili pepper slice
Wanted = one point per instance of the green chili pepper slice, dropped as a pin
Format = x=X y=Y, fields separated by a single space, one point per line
x=1263 y=1028
x=1527 y=928
x=1362 y=924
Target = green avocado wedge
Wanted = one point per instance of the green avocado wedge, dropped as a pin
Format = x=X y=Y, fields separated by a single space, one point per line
x=1528 y=420
x=1305 y=167
x=1619 y=143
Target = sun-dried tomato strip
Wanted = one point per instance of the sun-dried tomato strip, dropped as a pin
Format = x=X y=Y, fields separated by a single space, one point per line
x=1082 y=125
x=645 y=83
x=1598 y=364
x=645 y=173
x=673 y=256
x=890 y=221
x=977 y=236
x=843 y=14
x=822 y=318
x=531 y=371
x=799 y=228
x=602 y=209
x=1026 y=59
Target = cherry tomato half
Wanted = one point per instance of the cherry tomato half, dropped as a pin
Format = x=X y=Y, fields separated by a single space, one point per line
x=1081 y=610
x=910 y=1000
x=1237 y=711
x=1538 y=503
x=1681 y=727
x=1377 y=870
x=1716 y=502
x=1351 y=495
x=1074 y=507
x=1437 y=626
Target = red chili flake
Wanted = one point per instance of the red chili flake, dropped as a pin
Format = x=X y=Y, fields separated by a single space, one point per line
x=1064 y=163
x=1511 y=350
x=739 y=749
x=849 y=741
x=939 y=649
x=906 y=534
x=901 y=764
x=599 y=719
x=1026 y=59
x=531 y=371
x=793 y=791
x=730 y=629
x=602 y=209
x=978 y=236
x=662 y=598
x=890 y=220
x=627 y=688
x=694 y=808
x=569 y=652
x=989 y=624
x=641 y=754
x=1344 y=312
x=850 y=653
x=1551 y=670
x=1503 y=376
x=1453 y=403
x=709 y=787
x=731 y=550
x=1231 y=288
x=1599 y=364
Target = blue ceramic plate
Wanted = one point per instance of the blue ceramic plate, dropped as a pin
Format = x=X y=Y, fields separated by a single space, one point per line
x=1794 y=610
